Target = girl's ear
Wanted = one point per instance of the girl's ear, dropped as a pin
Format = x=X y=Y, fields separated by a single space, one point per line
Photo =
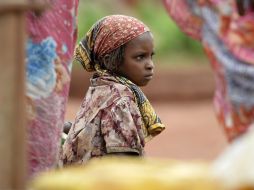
x=106 y=59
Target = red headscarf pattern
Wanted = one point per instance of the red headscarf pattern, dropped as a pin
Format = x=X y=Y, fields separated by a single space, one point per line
x=106 y=35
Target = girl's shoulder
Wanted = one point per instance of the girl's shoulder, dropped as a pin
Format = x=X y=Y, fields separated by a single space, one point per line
x=108 y=89
x=122 y=90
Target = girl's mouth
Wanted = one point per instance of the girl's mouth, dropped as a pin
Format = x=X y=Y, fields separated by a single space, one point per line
x=149 y=77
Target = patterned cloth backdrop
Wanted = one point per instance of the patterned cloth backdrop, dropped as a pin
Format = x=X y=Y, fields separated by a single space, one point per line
x=51 y=40
x=228 y=40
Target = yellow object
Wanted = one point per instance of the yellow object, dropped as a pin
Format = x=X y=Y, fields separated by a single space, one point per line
x=129 y=174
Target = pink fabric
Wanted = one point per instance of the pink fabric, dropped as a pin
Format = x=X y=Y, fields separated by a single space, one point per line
x=180 y=11
x=228 y=40
x=50 y=45
x=236 y=32
x=239 y=36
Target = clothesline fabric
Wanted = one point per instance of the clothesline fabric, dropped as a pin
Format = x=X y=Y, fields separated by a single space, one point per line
x=227 y=38
x=51 y=40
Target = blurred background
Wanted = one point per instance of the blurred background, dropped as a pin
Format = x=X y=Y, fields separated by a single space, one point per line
x=181 y=91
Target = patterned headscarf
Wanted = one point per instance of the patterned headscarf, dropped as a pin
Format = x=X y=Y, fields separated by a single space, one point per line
x=105 y=36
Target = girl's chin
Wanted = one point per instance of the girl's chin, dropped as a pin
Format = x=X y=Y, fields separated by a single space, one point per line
x=144 y=83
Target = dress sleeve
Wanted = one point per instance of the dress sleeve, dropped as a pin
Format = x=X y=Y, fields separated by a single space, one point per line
x=121 y=127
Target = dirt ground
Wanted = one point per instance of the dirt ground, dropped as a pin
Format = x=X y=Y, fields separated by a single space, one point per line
x=192 y=130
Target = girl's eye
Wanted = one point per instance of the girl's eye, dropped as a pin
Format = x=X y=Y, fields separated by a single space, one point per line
x=143 y=56
x=140 y=57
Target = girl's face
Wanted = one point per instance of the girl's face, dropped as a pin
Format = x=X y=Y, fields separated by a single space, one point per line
x=138 y=64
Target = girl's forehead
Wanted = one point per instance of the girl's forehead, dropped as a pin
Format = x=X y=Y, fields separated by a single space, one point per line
x=145 y=38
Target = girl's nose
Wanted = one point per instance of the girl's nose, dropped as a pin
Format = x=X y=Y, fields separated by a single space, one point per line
x=150 y=65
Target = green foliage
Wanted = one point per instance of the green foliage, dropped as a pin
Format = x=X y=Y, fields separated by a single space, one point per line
x=88 y=14
x=169 y=39
x=170 y=42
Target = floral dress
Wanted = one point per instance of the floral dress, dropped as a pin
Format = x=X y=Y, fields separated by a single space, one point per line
x=108 y=121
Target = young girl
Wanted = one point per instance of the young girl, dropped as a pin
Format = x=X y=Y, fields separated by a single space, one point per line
x=115 y=117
